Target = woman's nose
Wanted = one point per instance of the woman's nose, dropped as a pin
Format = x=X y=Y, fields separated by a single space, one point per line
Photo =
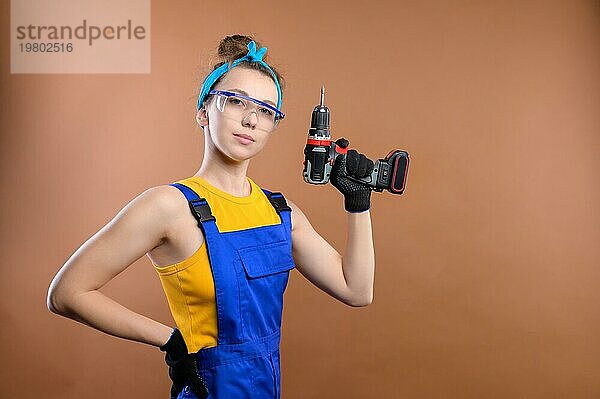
x=251 y=119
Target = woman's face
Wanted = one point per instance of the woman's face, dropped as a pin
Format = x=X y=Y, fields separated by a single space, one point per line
x=222 y=129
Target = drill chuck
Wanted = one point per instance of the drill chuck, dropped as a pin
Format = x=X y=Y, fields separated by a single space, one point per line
x=319 y=123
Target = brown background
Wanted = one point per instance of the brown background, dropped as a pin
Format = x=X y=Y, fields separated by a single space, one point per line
x=487 y=270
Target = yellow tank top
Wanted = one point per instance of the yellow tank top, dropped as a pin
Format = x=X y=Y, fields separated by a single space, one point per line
x=189 y=285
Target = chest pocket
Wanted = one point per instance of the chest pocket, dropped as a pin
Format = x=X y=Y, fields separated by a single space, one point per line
x=267 y=259
x=262 y=280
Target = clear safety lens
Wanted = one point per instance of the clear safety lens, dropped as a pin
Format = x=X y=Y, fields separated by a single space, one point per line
x=239 y=108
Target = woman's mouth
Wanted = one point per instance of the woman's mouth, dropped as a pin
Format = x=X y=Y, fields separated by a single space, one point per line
x=244 y=138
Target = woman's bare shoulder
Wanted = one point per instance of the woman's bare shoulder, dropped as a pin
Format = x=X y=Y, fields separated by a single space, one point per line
x=299 y=219
x=181 y=237
x=166 y=198
x=166 y=203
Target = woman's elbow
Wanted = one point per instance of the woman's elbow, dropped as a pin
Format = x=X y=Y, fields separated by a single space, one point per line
x=361 y=302
x=54 y=302
x=57 y=297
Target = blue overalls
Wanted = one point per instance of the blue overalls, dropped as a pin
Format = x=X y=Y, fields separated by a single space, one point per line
x=250 y=269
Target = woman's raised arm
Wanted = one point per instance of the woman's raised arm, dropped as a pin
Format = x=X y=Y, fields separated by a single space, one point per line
x=136 y=229
x=347 y=278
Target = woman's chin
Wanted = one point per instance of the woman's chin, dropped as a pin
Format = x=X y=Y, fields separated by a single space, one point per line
x=237 y=155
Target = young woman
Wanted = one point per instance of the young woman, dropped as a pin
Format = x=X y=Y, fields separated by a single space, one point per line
x=222 y=246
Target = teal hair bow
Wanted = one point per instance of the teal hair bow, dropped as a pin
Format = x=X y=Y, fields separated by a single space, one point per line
x=253 y=55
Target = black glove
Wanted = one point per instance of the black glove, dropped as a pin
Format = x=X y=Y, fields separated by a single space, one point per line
x=357 y=196
x=183 y=369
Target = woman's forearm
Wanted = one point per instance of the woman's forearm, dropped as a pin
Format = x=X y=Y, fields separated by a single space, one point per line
x=358 y=262
x=102 y=313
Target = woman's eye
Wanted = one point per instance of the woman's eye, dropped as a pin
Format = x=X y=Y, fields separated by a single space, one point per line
x=266 y=111
x=235 y=101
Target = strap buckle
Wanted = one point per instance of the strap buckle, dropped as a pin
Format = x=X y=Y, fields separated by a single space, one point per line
x=278 y=201
x=201 y=210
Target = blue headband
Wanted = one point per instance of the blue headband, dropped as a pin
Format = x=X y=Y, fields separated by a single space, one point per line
x=252 y=56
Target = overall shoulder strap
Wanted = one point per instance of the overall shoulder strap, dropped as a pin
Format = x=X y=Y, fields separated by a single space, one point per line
x=199 y=206
x=283 y=210
x=277 y=200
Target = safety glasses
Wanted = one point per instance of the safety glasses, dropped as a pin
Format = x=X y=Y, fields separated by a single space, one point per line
x=236 y=105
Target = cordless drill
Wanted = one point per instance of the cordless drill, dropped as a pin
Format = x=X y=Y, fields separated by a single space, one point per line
x=320 y=152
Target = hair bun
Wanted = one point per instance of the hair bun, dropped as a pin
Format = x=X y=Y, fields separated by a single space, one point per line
x=234 y=46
